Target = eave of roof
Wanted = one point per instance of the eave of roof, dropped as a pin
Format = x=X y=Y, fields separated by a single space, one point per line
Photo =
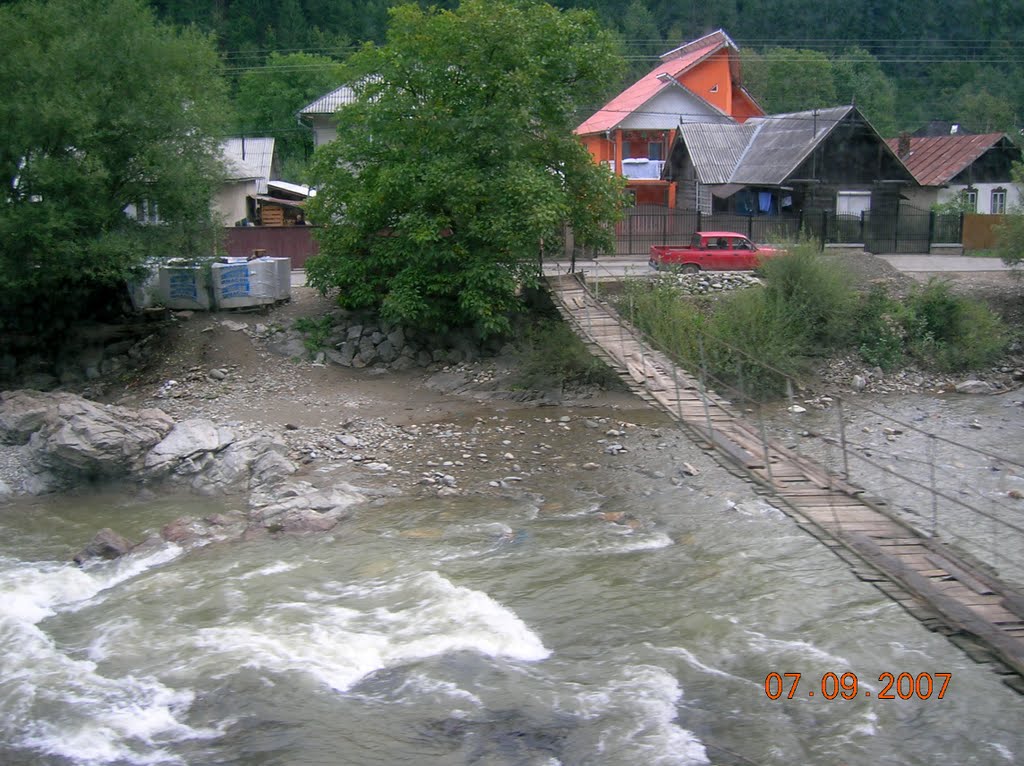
x=647 y=87
x=935 y=161
x=330 y=102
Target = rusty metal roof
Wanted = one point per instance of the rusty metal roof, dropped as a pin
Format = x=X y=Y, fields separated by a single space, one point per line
x=937 y=160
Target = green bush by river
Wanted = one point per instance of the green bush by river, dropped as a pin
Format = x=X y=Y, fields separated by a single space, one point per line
x=757 y=338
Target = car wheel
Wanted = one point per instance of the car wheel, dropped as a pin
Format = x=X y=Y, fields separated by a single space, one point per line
x=689 y=268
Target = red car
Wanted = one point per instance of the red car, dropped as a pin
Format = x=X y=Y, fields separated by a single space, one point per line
x=711 y=251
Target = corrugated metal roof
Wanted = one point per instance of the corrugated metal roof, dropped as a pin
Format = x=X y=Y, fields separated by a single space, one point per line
x=715 y=149
x=647 y=87
x=935 y=161
x=783 y=141
x=298 y=189
x=329 y=103
x=249 y=159
x=763 y=150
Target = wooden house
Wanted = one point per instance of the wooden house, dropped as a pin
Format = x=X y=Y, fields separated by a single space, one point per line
x=821 y=160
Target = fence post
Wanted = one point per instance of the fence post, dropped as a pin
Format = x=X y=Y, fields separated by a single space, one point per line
x=698 y=220
x=750 y=227
x=842 y=439
x=935 y=497
x=960 y=228
x=862 y=227
x=931 y=229
x=704 y=385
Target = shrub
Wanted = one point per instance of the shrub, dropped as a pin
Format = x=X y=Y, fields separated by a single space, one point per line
x=879 y=332
x=815 y=295
x=317 y=330
x=551 y=355
x=951 y=332
x=748 y=343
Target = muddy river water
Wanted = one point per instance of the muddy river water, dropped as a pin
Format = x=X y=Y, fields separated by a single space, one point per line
x=625 y=615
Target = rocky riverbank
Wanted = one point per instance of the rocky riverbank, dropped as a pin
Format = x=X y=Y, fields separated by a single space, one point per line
x=274 y=410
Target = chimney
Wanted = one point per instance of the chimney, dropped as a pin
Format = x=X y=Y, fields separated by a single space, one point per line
x=903 y=146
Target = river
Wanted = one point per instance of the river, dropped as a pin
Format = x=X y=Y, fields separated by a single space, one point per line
x=579 y=617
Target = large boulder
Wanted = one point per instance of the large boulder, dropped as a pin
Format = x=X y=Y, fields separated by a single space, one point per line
x=71 y=439
x=185 y=448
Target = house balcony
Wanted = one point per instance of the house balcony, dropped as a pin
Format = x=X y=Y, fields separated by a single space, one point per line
x=641 y=169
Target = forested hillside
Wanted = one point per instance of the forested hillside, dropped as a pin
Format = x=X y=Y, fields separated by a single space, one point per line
x=905 y=62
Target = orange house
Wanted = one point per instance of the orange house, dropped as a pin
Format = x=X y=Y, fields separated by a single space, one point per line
x=632 y=133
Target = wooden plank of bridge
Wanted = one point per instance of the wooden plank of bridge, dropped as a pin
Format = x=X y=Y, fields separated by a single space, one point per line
x=836 y=512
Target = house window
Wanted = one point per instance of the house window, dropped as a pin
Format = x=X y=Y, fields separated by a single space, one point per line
x=998 y=201
x=654 y=150
x=970 y=200
x=144 y=212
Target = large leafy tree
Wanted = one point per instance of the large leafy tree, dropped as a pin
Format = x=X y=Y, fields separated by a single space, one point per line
x=104 y=108
x=458 y=163
x=1010 y=233
x=789 y=79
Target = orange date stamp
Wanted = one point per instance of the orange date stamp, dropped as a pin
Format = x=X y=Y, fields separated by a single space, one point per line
x=846 y=686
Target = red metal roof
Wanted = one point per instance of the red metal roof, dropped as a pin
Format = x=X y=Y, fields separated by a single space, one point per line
x=935 y=161
x=647 y=87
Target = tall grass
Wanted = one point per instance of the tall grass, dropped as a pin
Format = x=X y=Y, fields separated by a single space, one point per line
x=756 y=338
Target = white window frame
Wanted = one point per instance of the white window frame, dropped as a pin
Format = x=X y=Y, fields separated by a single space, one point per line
x=971 y=198
x=998 y=202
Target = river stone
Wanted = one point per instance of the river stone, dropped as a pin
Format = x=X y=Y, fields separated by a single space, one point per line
x=307 y=520
x=187 y=440
x=975 y=387
x=82 y=439
x=22 y=413
x=107 y=544
x=243 y=464
x=387 y=352
x=334 y=498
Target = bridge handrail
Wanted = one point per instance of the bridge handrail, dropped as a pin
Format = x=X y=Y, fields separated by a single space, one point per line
x=845 y=444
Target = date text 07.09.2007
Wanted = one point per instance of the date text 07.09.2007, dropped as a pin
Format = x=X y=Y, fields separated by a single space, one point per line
x=845 y=686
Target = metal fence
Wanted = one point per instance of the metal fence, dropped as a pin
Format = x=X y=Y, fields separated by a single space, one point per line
x=906 y=230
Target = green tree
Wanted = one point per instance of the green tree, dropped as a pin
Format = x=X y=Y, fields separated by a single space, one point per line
x=104 y=107
x=458 y=162
x=983 y=111
x=1010 y=233
x=859 y=80
x=268 y=98
x=789 y=79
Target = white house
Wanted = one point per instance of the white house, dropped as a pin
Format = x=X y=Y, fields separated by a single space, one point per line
x=977 y=167
x=319 y=114
x=250 y=165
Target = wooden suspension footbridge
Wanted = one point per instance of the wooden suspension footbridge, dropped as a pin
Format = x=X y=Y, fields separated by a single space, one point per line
x=934 y=583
